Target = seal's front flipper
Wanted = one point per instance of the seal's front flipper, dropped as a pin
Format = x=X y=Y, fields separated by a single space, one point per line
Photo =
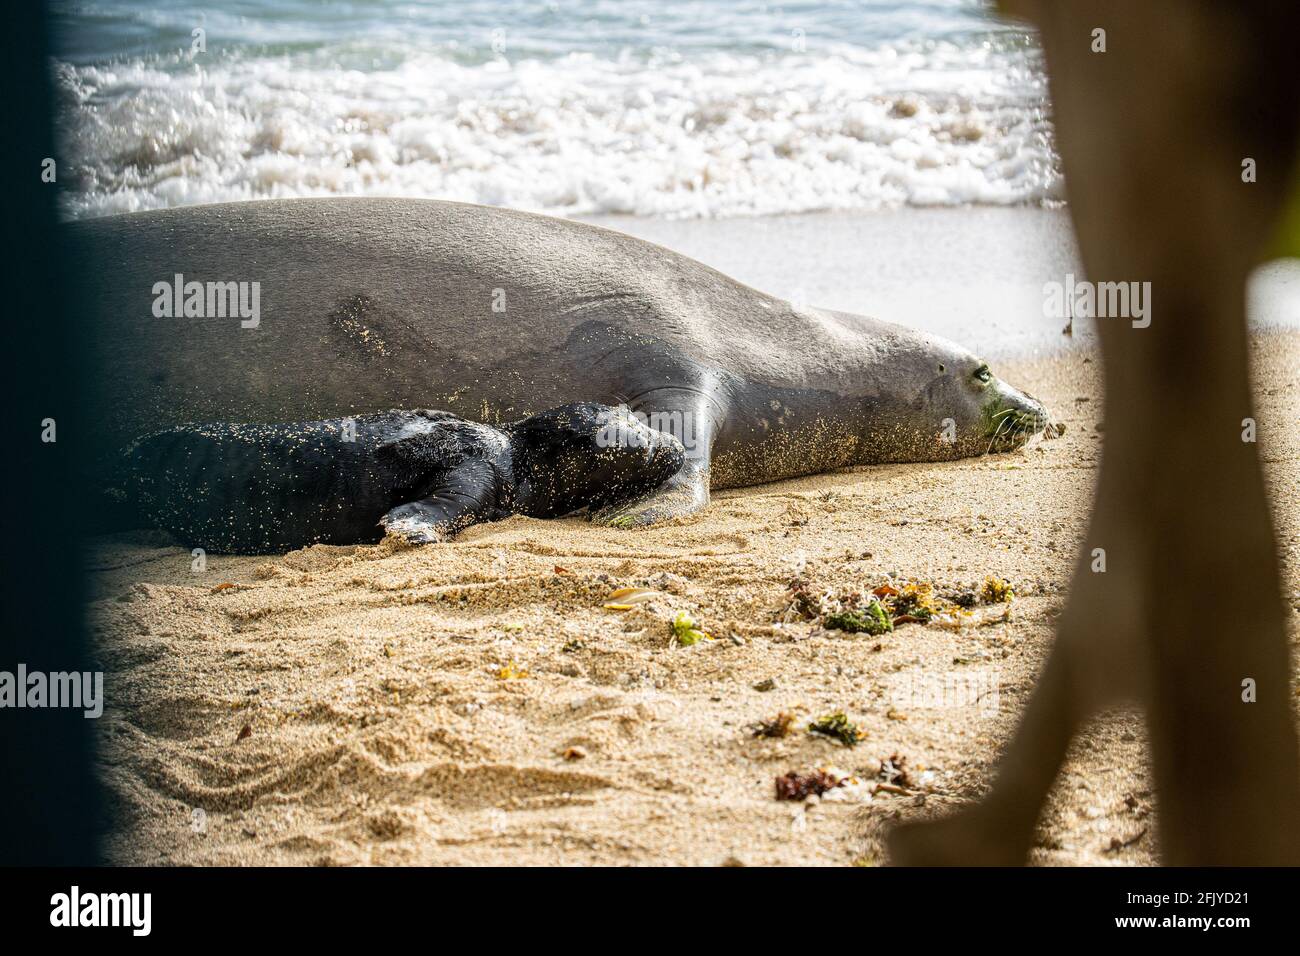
x=692 y=416
x=685 y=493
x=467 y=495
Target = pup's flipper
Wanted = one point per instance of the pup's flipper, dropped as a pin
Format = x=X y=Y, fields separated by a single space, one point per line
x=468 y=494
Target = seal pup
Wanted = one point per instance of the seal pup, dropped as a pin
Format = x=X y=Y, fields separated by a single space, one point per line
x=365 y=304
x=421 y=475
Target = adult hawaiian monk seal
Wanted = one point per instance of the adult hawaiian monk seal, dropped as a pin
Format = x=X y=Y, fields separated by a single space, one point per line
x=363 y=305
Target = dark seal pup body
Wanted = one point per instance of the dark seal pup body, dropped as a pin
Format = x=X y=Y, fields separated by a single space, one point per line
x=422 y=475
x=495 y=314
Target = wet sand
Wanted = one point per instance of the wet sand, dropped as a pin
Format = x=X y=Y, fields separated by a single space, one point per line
x=974 y=275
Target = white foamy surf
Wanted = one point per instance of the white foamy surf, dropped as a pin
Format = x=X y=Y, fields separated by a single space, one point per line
x=646 y=118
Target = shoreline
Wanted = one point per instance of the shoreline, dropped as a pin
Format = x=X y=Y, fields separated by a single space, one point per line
x=973 y=274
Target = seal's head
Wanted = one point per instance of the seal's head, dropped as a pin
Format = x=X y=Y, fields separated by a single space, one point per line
x=924 y=398
x=980 y=412
x=588 y=455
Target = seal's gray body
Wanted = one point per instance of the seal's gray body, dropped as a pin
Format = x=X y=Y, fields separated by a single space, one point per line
x=494 y=314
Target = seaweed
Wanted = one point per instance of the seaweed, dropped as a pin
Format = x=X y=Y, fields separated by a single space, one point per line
x=872 y=619
x=685 y=633
x=996 y=590
x=511 y=671
x=911 y=602
x=893 y=770
x=838 y=727
x=807 y=604
x=893 y=604
x=778 y=726
x=965 y=598
x=800 y=786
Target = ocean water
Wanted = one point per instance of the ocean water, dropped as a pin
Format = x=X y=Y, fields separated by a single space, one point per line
x=701 y=108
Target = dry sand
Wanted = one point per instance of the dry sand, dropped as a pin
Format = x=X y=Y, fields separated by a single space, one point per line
x=377 y=728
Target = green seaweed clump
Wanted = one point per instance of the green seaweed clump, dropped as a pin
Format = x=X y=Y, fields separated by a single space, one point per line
x=838 y=727
x=685 y=633
x=872 y=619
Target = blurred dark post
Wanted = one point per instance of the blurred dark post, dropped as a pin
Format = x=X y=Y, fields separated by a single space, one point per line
x=48 y=795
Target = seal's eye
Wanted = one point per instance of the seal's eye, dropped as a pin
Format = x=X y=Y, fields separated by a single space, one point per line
x=942 y=368
x=982 y=374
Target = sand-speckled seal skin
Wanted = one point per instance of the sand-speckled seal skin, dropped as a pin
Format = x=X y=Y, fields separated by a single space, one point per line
x=422 y=475
x=494 y=314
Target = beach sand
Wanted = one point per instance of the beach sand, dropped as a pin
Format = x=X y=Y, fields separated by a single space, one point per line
x=379 y=729
x=475 y=703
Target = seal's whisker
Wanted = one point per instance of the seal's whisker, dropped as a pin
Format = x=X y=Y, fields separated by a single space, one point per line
x=997 y=431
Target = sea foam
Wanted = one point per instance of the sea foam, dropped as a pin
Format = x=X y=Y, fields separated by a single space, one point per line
x=711 y=133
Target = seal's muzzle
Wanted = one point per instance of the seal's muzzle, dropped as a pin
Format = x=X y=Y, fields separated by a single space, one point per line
x=1014 y=416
